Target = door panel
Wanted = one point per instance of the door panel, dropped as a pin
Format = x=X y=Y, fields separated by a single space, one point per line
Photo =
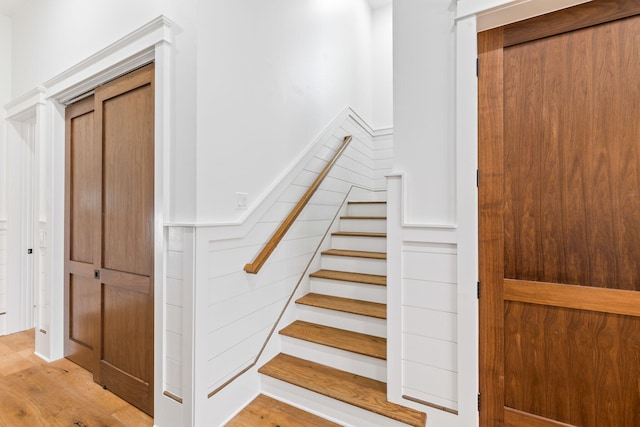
x=82 y=292
x=559 y=160
x=125 y=109
x=128 y=191
x=110 y=226
x=82 y=186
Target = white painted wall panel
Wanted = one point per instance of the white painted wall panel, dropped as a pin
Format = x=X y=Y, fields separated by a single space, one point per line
x=435 y=267
x=3 y=277
x=242 y=308
x=429 y=323
x=441 y=383
x=430 y=295
x=176 y=308
x=430 y=351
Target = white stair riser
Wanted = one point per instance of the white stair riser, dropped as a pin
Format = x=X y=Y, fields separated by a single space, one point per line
x=356 y=243
x=355 y=264
x=339 y=288
x=337 y=319
x=367 y=225
x=358 y=364
x=367 y=209
x=340 y=412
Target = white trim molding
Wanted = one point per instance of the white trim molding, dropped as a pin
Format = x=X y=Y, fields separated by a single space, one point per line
x=22 y=109
x=149 y=43
x=130 y=52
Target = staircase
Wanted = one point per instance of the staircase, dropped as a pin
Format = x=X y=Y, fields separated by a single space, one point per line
x=333 y=358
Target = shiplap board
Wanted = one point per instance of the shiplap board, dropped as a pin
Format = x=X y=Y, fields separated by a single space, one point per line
x=430 y=295
x=174 y=292
x=173 y=377
x=430 y=323
x=430 y=351
x=239 y=283
x=233 y=333
x=230 y=311
x=241 y=307
x=435 y=267
x=441 y=383
x=241 y=352
x=174 y=346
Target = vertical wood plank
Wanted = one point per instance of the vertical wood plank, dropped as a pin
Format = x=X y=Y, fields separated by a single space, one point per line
x=491 y=227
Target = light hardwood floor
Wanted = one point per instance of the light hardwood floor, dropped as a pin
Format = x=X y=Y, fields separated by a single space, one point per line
x=58 y=394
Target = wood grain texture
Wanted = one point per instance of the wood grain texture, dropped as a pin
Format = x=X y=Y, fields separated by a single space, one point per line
x=57 y=394
x=125 y=123
x=577 y=297
x=367 y=345
x=577 y=17
x=515 y=418
x=355 y=254
x=127 y=203
x=572 y=160
x=371 y=279
x=81 y=291
x=264 y=411
x=255 y=266
x=353 y=389
x=491 y=228
x=81 y=185
x=574 y=366
x=347 y=305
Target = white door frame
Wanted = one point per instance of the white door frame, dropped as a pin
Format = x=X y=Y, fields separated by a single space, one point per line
x=149 y=43
x=22 y=201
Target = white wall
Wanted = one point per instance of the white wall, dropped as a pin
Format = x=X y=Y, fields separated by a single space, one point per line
x=382 y=48
x=424 y=126
x=271 y=75
x=50 y=37
x=5 y=96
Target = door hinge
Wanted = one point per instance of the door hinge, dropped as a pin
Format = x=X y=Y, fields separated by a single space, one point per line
x=477 y=178
x=29 y=251
x=477 y=67
x=478 y=402
x=478 y=289
x=96 y=274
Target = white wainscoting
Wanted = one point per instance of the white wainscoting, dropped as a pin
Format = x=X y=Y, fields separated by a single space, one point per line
x=242 y=308
x=236 y=311
x=422 y=347
x=3 y=276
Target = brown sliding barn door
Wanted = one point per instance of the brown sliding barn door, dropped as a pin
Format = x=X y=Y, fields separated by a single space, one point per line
x=121 y=231
x=559 y=156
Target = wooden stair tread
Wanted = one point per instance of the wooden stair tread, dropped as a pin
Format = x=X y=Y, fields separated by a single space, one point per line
x=363 y=217
x=344 y=386
x=346 y=276
x=347 y=305
x=358 y=234
x=367 y=345
x=355 y=254
x=264 y=411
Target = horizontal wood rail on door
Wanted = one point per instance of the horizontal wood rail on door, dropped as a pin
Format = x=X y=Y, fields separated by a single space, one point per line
x=271 y=245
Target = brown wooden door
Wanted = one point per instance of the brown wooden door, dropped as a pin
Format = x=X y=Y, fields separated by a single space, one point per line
x=82 y=292
x=559 y=156
x=122 y=229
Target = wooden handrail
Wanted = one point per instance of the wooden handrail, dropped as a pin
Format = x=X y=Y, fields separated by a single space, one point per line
x=271 y=245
